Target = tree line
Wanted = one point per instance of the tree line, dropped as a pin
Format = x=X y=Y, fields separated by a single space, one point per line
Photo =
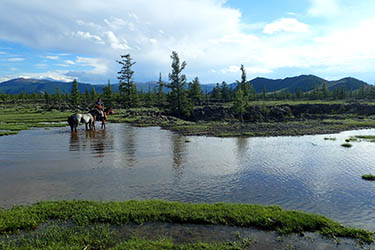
x=182 y=96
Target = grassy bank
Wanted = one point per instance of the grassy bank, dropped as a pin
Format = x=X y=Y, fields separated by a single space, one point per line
x=84 y=213
x=15 y=119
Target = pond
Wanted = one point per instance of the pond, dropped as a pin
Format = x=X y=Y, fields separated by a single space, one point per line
x=122 y=162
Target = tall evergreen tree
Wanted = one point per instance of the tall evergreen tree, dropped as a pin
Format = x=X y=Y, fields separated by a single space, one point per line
x=177 y=97
x=195 y=92
x=216 y=93
x=244 y=85
x=128 y=91
x=108 y=94
x=160 y=93
x=325 y=91
x=75 y=92
x=240 y=103
x=225 y=93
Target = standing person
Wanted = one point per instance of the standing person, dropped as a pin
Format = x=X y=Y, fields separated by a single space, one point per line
x=99 y=106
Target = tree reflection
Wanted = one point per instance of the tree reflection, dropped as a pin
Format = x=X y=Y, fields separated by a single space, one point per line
x=130 y=146
x=178 y=148
x=242 y=145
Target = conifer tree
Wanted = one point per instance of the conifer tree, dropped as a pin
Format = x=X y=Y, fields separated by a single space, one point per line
x=195 y=92
x=75 y=92
x=127 y=88
x=160 y=93
x=177 y=99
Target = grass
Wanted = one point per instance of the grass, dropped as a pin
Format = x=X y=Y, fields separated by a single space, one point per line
x=102 y=236
x=330 y=138
x=15 y=119
x=84 y=213
x=346 y=145
x=368 y=177
x=3 y=133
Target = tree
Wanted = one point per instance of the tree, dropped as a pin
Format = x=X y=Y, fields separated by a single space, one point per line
x=108 y=94
x=325 y=90
x=216 y=93
x=244 y=85
x=75 y=95
x=160 y=93
x=128 y=91
x=93 y=95
x=239 y=106
x=195 y=92
x=177 y=97
x=225 y=93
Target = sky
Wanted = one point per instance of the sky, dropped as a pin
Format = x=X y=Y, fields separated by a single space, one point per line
x=64 y=40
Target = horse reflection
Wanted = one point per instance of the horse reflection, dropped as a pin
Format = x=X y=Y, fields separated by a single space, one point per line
x=98 y=142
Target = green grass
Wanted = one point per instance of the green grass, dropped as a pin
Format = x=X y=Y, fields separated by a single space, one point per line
x=368 y=177
x=346 y=145
x=102 y=236
x=84 y=213
x=23 y=118
x=4 y=133
x=330 y=138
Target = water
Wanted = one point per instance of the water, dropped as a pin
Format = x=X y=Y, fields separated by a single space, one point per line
x=122 y=162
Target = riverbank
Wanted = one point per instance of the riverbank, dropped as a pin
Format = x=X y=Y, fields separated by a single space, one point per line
x=284 y=120
x=260 y=119
x=87 y=224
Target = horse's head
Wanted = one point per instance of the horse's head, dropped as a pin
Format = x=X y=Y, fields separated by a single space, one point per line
x=109 y=111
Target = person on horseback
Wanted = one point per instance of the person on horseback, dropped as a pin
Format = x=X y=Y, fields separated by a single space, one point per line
x=99 y=106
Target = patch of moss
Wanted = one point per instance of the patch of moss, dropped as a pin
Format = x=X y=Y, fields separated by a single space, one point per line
x=346 y=145
x=330 y=138
x=3 y=133
x=368 y=177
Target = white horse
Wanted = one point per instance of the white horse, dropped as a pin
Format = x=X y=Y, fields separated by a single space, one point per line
x=75 y=119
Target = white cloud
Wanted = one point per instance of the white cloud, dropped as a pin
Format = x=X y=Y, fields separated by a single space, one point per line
x=52 y=57
x=99 y=66
x=88 y=36
x=287 y=25
x=326 y=8
x=58 y=75
x=70 y=62
x=2 y=53
x=249 y=70
x=205 y=33
x=16 y=59
x=115 y=42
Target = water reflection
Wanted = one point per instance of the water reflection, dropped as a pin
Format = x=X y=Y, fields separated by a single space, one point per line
x=130 y=146
x=122 y=162
x=97 y=142
x=242 y=145
x=178 y=148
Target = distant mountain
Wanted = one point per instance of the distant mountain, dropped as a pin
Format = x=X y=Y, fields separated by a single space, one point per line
x=16 y=86
x=303 y=82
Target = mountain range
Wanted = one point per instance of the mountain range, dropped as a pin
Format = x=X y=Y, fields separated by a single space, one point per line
x=302 y=82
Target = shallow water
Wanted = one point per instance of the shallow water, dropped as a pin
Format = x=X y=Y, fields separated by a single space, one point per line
x=122 y=162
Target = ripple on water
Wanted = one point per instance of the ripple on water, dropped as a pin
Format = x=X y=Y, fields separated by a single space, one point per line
x=122 y=162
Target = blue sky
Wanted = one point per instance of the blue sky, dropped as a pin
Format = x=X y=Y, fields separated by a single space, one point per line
x=81 y=39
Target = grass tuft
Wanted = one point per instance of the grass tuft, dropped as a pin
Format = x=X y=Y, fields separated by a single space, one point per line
x=368 y=177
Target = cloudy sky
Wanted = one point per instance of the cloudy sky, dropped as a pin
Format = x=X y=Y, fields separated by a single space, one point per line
x=83 y=39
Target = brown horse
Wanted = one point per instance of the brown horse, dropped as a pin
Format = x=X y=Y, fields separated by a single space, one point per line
x=99 y=117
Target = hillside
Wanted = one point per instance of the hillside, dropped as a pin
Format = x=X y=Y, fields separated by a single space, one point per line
x=303 y=82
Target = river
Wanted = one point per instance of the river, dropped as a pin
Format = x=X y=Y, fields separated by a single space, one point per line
x=304 y=173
